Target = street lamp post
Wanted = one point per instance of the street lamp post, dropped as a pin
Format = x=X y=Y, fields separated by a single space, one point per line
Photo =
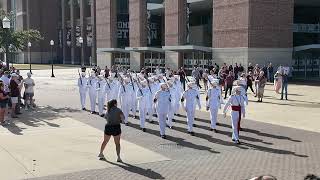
x=6 y=25
x=51 y=45
x=29 y=56
x=81 y=59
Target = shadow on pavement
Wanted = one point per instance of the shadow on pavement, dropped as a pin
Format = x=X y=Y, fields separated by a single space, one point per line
x=179 y=141
x=149 y=173
x=41 y=116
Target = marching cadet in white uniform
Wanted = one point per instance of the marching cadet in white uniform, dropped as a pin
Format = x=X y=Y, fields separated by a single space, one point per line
x=172 y=91
x=143 y=96
x=237 y=103
x=191 y=97
x=153 y=88
x=92 y=84
x=107 y=88
x=113 y=90
x=161 y=100
x=101 y=94
x=83 y=88
x=213 y=103
x=124 y=98
x=178 y=93
x=133 y=87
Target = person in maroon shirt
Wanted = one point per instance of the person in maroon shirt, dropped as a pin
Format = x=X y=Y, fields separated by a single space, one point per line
x=228 y=84
x=14 y=92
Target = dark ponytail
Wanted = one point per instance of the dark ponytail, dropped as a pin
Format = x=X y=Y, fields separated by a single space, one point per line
x=111 y=104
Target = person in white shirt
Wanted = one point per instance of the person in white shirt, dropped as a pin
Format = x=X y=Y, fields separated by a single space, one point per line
x=213 y=103
x=191 y=97
x=29 y=91
x=83 y=88
x=161 y=100
x=237 y=104
x=6 y=81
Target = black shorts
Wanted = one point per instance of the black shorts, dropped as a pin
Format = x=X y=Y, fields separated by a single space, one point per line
x=113 y=130
x=3 y=103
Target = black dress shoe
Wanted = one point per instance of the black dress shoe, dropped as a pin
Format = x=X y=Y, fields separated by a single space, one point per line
x=192 y=133
x=144 y=129
x=218 y=124
x=211 y=129
x=151 y=122
x=163 y=136
x=237 y=142
x=92 y=112
x=136 y=117
x=127 y=124
x=173 y=120
x=215 y=131
x=194 y=125
x=84 y=109
x=102 y=115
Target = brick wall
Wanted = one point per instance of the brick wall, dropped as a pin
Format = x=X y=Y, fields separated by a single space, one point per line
x=253 y=23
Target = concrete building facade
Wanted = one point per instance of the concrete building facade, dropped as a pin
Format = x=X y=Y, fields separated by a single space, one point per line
x=167 y=33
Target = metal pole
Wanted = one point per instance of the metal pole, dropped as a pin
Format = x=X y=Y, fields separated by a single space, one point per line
x=29 y=57
x=52 y=75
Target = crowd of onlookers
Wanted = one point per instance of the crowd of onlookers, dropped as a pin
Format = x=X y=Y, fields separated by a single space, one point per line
x=253 y=78
x=12 y=84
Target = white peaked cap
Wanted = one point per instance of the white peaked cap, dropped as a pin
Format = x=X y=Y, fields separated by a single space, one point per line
x=126 y=79
x=164 y=85
x=151 y=79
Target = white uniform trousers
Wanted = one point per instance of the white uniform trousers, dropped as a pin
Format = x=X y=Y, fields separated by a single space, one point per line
x=190 y=119
x=213 y=117
x=134 y=108
x=170 y=117
x=83 y=96
x=162 y=123
x=101 y=101
x=234 y=121
x=93 y=101
x=142 y=114
x=125 y=109
x=150 y=113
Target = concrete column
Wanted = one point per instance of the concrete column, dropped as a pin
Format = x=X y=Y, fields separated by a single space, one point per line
x=64 y=30
x=175 y=30
x=73 y=31
x=106 y=21
x=83 y=26
x=137 y=31
x=94 y=32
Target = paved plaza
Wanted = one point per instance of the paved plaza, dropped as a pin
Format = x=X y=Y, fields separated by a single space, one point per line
x=59 y=141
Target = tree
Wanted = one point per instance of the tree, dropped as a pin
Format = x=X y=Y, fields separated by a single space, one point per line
x=11 y=40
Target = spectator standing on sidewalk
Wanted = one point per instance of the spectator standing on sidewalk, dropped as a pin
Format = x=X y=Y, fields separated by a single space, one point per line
x=182 y=75
x=196 y=75
x=3 y=103
x=29 y=91
x=285 y=81
x=270 y=72
x=228 y=84
x=14 y=92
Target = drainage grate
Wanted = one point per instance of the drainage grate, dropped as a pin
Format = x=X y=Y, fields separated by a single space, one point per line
x=170 y=146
